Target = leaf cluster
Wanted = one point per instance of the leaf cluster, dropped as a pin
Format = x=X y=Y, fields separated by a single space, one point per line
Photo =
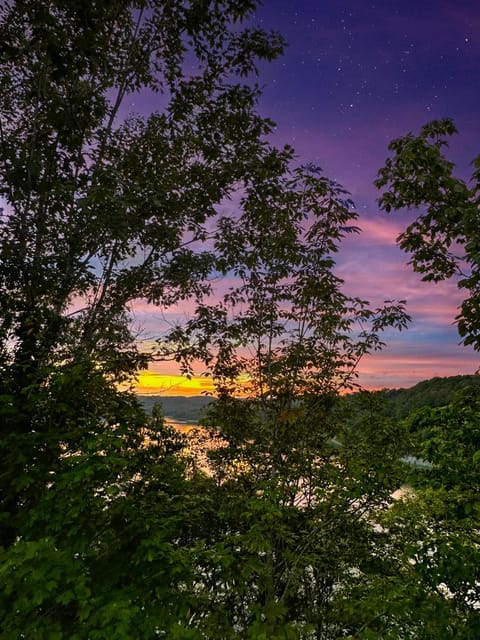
x=444 y=239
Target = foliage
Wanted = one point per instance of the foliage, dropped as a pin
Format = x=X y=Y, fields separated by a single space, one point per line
x=89 y=225
x=100 y=209
x=444 y=239
x=284 y=305
x=435 y=392
x=434 y=534
x=104 y=553
x=293 y=528
x=430 y=580
x=296 y=482
x=104 y=533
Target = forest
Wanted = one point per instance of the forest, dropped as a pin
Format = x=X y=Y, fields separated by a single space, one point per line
x=108 y=528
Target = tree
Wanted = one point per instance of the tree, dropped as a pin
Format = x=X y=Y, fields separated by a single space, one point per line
x=101 y=210
x=444 y=240
x=297 y=480
x=434 y=533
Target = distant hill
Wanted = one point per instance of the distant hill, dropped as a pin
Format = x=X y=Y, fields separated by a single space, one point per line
x=435 y=392
x=181 y=408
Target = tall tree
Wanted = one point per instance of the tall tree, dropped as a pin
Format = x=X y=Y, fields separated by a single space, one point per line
x=99 y=209
x=299 y=474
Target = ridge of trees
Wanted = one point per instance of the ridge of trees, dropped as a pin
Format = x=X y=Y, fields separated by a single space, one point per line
x=435 y=392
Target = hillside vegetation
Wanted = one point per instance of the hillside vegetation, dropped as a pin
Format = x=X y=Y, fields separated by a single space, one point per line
x=435 y=392
x=398 y=403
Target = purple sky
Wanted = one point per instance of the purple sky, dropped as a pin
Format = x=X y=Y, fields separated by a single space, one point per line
x=355 y=75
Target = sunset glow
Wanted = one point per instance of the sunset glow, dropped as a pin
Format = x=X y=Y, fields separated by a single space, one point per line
x=153 y=383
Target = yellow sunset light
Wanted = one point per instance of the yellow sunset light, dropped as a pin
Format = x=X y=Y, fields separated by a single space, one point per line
x=153 y=383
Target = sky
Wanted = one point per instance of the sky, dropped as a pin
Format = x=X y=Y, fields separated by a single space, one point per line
x=355 y=75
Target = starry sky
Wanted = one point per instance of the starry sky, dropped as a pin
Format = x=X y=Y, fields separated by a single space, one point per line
x=355 y=75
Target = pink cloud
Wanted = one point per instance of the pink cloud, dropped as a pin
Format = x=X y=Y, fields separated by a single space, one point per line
x=406 y=366
x=379 y=231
